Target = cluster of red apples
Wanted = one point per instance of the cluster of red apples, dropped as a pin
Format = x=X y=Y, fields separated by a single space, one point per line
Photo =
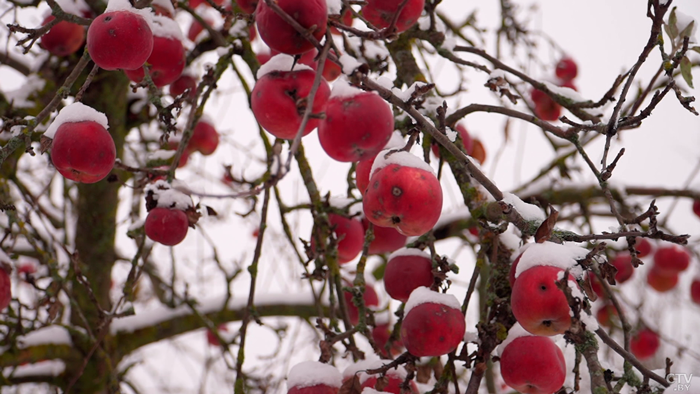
x=546 y=108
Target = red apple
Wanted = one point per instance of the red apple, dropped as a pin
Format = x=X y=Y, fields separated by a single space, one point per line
x=625 y=269
x=605 y=314
x=406 y=197
x=381 y=334
x=247 y=6
x=433 y=323
x=533 y=364
x=538 y=304
x=545 y=107
x=331 y=70
x=695 y=291
x=566 y=69
x=204 y=138
x=350 y=234
x=393 y=384
x=357 y=124
x=386 y=239
x=119 y=39
x=467 y=143
x=696 y=207
x=312 y=377
x=83 y=151
x=166 y=226
x=643 y=247
x=196 y=28
x=212 y=339
x=661 y=281
x=183 y=83
x=346 y=19
x=167 y=59
x=280 y=35
x=5 y=288
x=64 y=38
x=370 y=297
x=362 y=170
x=196 y=3
x=644 y=344
x=406 y=270
x=380 y=13
x=670 y=260
x=276 y=100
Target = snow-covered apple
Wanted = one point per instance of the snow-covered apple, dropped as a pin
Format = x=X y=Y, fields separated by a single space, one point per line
x=403 y=193
x=312 y=377
x=538 y=304
x=167 y=59
x=433 y=323
x=357 y=125
x=120 y=40
x=532 y=364
x=167 y=222
x=82 y=148
x=406 y=270
x=279 y=97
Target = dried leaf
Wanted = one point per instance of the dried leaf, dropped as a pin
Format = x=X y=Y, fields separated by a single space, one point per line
x=588 y=287
x=688 y=30
x=544 y=232
x=351 y=386
x=45 y=144
x=686 y=68
x=672 y=24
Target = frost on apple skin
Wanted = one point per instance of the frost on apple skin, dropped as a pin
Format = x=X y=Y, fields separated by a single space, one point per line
x=548 y=253
x=409 y=252
x=405 y=159
x=74 y=113
x=281 y=62
x=312 y=373
x=424 y=295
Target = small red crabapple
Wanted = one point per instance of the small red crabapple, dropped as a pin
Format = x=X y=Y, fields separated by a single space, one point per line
x=566 y=69
x=403 y=193
x=212 y=339
x=386 y=239
x=166 y=226
x=119 y=40
x=406 y=270
x=283 y=37
x=357 y=124
x=433 y=323
x=83 y=151
x=661 y=281
x=671 y=260
x=5 y=287
x=204 y=138
x=625 y=269
x=380 y=13
x=532 y=364
x=538 y=304
x=312 y=377
x=370 y=298
x=350 y=234
x=644 y=344
x=695 y=291
x=643 y=247
x=278 y=100
x=64 y=38
x=183 y=83
x=167 y=59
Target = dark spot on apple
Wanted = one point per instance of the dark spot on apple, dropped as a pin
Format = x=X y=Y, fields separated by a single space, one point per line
x=112 y=32
x=543 y=287
x=396 y=191
x=547 y=323
x=395 y=220
x=108 y=18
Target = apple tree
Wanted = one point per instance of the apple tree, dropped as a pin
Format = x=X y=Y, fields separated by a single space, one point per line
x=162 y=182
